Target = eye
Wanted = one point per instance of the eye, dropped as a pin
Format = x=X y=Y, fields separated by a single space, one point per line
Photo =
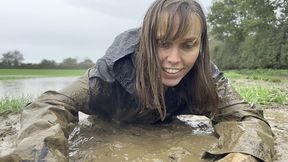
x=163 y=44
x=189 y=45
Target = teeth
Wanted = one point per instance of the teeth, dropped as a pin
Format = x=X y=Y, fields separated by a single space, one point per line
x=171 y=70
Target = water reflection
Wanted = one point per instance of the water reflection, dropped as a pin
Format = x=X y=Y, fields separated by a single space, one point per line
x=32 y=87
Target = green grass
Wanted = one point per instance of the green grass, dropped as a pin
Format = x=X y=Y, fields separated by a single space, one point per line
x=270 y=75
x=262 y=95
x=8 y=105
x=9 y=74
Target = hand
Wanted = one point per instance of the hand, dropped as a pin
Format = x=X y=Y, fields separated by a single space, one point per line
x=238 y=157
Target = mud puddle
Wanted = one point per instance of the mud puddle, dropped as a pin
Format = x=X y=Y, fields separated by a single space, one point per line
x=278 y=120
x=174 y=142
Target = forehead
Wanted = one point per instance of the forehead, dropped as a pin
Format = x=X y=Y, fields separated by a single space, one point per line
x=179 y=27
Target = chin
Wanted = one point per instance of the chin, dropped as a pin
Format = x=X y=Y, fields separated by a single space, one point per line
x=170 y=82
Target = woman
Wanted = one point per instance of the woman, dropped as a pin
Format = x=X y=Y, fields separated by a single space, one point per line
x=150 y=74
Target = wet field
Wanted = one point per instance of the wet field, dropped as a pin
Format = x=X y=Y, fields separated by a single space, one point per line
x=32 y=87
x=97 y=140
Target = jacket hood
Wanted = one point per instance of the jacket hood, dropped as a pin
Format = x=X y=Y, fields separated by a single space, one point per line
x=117 y=63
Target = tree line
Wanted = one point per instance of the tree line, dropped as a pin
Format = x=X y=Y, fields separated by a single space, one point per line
x=14 y=59
x=249 y=33
x=243 y=34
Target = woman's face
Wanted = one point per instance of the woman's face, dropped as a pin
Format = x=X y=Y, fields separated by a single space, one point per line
x=177 y=57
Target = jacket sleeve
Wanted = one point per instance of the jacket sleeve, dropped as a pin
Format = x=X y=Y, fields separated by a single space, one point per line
x=47 y=122
x=240 y=127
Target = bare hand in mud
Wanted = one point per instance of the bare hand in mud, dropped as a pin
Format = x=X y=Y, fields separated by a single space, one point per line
x=238 y=157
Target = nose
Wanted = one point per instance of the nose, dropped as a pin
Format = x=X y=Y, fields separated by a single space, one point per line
x=173 y=56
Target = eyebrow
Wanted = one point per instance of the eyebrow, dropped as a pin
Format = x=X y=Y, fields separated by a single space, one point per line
x=191 y=39
x=186 y=39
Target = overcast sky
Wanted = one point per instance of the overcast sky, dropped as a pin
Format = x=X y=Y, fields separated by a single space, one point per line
x=57 y=29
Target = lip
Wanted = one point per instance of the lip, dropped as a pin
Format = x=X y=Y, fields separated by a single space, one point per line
x=172 y=73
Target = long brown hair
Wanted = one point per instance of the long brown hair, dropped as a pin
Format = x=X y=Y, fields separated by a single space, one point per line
x=198 y=87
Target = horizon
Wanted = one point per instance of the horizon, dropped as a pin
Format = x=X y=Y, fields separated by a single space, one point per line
x=58 y=29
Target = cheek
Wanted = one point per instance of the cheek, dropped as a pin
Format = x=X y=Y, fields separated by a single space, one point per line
x=161 y=55
x=191 y=59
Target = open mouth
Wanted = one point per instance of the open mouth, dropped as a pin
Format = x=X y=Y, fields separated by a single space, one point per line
x=172 y=70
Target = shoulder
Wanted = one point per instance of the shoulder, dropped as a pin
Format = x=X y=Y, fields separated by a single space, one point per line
x=124 y=45
x=117 y=63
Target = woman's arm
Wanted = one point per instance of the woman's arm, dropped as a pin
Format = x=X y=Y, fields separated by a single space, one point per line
x=47 y=122
x=241 y=127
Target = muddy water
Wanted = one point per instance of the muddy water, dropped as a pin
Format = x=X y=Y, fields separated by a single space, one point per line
x=278 y=119
x=173 y=142
x=97 y=140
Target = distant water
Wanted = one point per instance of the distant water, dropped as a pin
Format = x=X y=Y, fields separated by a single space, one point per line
x=32 y=87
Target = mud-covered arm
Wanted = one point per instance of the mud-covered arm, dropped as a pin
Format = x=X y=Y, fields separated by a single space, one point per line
x=241 y=127
x=47 y=122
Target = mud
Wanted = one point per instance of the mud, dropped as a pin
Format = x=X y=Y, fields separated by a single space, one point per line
x=97 y=140
x=278 y=120
x=173 y=142
x=9 y=126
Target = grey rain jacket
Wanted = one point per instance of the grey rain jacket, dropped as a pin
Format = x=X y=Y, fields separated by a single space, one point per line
x=107 y=90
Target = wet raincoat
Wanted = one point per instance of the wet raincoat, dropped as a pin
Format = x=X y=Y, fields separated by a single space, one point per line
x=106 y=90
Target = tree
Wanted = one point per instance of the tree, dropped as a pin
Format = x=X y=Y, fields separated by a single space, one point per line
x=283 y=32
x=69 y=63
x=12 y=58
x=87 y=63
x=239 y=18
x=47 y=64
x=249 y=34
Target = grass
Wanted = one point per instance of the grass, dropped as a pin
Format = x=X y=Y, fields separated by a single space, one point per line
x=262 y=95
x=8 y=74
x=8 y=104
x=270 y=75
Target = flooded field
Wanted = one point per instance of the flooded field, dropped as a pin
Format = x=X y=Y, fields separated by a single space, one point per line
x=96 y=140
x=32 y=87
